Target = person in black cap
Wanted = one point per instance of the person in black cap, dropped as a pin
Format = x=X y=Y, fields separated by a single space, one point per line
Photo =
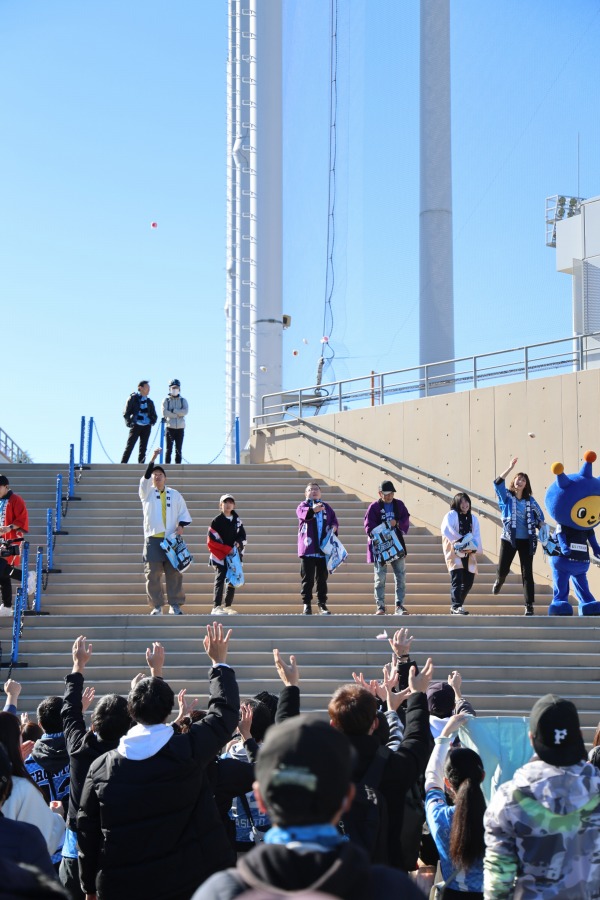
x=174 y=410
x=394 y=514
x=543 y=827
x=304 y=783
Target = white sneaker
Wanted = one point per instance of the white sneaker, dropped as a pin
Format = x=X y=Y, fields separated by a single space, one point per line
x=217 y=611
x=175 y=610
x=31 y=583
x=157 y=611
x=231 y=611
x=7 y=611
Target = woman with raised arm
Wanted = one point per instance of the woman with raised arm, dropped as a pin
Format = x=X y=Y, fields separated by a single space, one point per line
x=461 y=541
x=521 y=519
x=456 y=828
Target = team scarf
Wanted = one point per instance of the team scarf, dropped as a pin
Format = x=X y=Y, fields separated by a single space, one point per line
x=531 y=507
x=3 y=507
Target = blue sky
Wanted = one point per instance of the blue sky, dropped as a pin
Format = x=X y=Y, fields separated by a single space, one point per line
x=113 y=116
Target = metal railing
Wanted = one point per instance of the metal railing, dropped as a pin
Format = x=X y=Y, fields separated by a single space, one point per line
x=11 y=450
x=464 y=373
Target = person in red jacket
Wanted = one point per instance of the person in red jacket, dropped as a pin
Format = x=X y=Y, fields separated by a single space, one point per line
x=14 y=525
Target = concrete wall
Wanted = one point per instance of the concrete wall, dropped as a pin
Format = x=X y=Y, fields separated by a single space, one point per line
x=466 y=438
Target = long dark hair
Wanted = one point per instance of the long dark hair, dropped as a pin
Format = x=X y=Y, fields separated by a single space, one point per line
x=526 y=490
x=10 y=736
x=596 y=741
x=464 y=772
x=458 y=498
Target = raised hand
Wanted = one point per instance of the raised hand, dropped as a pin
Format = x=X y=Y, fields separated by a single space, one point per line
x=453 y=724
x=81 y=654
x=401 y=642
x=216 y=643
x=245 y=723
x=87 y=698
x=288 y=672
x=421 y=681
x=155 y=657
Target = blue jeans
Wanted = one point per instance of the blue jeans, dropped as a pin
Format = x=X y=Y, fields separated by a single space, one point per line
x=380 y=572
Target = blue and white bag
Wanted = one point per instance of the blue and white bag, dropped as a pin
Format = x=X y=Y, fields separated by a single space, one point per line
x=334 y=550
x=386 y=545
x=177 y=552
x=548 y=541
x=235 y=571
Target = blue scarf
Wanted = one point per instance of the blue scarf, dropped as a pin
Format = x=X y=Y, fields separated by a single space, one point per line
x=327 y=837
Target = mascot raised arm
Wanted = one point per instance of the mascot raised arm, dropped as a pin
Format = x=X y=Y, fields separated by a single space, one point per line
x=573 y=501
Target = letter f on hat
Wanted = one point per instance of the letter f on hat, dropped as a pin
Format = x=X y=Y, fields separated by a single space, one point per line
x=559 y=735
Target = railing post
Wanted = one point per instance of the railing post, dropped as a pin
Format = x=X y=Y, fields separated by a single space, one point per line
x=58 y=520
x=162 y=440
x=474 y=372
x=382 y=389
x=237 y=440
x=427 y=381
x=38 y=579
x=300 y=405
x=25 y=569
x=340 y=397
x=71 y=471
x=49 y=539
x=14 y=655
x=526 y=361
x=581 y=353
x=89 y=444
x=81 y=442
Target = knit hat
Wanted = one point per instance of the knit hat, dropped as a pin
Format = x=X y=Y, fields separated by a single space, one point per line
x=440 y=699
x=555 y=731
x=387 y=487
x=304 y=770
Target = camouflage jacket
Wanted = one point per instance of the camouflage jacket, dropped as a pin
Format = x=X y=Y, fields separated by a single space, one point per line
x=542 y=834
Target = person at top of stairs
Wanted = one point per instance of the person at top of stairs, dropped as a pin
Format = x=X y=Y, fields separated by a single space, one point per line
x=174 y=410
x=393 y=516
x=461 y=540
x=14 y=524
x=315 y=519
x=165 y=513
x=140 y=416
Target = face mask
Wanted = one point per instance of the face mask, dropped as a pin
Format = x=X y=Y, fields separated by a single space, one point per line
x=174 y=392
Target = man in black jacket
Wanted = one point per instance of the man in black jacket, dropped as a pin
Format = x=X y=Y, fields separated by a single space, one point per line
x=303 y=782
x=110 y=721
x=140 y=415
x=148 y=825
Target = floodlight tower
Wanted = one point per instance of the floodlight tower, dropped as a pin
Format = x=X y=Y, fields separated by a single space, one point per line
x=435 y=220
x=253 y=305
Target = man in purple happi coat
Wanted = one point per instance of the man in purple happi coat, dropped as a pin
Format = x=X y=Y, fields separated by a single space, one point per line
x=393 y=513
x=315 y=519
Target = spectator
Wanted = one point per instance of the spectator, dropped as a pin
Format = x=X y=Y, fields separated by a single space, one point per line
x=353 y=711
x=140 y=416
x=225 y=532
x=48 y=762
x=165 y=513
x=461 y=540
x=594 y=754
x=304 y=784
x=445 y=699
x=456 y=828
x=542 y=828
x=26 y=803
x=174 y=411
x=110 y=721
x=20 y=842
x=521 y=517
x=315 y=519
x=14 y=525
x=394 y=515
x=148 y=825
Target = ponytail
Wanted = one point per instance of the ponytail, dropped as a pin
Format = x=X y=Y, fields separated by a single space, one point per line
x=464 y=771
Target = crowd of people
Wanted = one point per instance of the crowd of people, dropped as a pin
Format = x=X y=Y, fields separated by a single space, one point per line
x=371 y=801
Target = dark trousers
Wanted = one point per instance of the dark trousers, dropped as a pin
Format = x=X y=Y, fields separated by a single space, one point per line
x=174 y=436
x=312 y=567
x=507 y=554
x=461 y=582
x=143 y=433
x=68 y=875
x=5 y=583
x=220 y=574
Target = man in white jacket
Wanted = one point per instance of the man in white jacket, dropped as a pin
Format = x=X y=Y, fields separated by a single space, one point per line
x=165 y=515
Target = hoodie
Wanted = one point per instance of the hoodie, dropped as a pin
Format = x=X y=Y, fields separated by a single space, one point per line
x=48 y=765
x=342 y=872
x=543 y=829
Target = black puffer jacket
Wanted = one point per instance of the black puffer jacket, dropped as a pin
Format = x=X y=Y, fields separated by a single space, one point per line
x=132 y=408
x=150 y=827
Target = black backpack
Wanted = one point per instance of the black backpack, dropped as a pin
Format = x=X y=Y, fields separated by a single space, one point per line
x=366 y=822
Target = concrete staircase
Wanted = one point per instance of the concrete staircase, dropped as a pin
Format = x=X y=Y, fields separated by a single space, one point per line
x=506 y=660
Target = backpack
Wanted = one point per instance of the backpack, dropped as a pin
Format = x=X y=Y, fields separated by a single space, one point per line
x=366 y=822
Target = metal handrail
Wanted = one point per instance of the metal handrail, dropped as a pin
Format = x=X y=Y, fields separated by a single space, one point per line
x=424 y=379
x=395 y=466
x=11 y=450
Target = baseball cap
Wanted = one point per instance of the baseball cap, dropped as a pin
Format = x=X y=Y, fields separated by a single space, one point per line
x=440 y=699
x=304 y=769
x=386 y=487
x=4 y=481
x=555 y=731
x=225 y=497
x=175 y=382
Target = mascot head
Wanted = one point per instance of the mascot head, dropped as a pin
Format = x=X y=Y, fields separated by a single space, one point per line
x=574 y=500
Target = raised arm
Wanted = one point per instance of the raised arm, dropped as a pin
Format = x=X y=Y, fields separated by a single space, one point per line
x=73 y=701
x=513 y=462
x=289 y=698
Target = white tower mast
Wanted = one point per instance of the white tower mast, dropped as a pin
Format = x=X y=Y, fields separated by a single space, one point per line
x=254 y=212
x=435 y=221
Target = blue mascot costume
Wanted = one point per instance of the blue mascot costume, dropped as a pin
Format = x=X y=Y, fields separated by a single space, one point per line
x=573 y=501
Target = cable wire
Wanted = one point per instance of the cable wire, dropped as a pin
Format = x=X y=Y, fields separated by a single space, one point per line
x=328 y=351
x=101 y=444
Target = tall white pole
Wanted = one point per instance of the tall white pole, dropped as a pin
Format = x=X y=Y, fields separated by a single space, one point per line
x=435 y=220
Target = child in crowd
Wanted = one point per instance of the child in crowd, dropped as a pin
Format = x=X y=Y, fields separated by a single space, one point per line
x=225 y=533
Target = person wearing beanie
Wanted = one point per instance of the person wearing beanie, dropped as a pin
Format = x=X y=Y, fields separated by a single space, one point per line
x=542 y=828
x=14 y=525
x=393 y=514
x=174 y=410
x=304 y=783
